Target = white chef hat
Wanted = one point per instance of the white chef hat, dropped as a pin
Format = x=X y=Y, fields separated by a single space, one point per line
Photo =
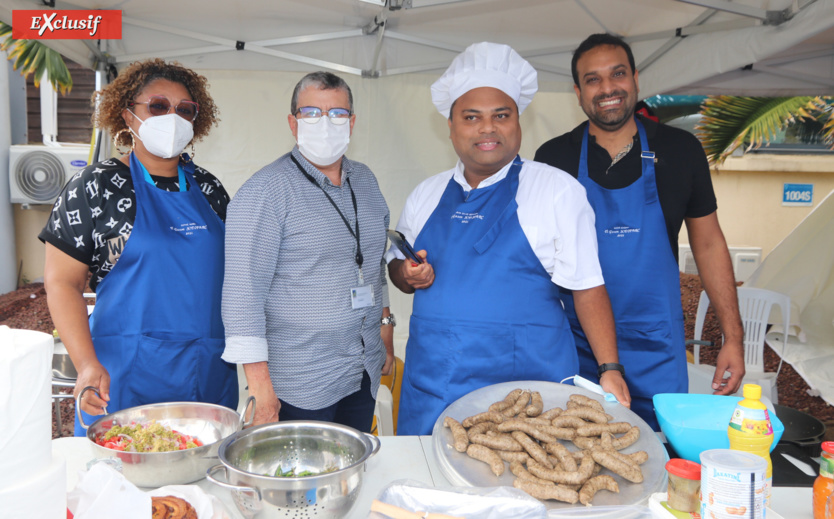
x=486 y=65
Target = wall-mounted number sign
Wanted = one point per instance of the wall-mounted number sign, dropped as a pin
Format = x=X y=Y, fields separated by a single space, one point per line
x=798 y=195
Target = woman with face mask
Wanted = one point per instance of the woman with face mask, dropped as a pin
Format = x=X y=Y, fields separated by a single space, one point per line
x=145 y=230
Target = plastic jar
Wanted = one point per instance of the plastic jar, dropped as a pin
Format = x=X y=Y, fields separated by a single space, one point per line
x=732 y=484
x=684 y=485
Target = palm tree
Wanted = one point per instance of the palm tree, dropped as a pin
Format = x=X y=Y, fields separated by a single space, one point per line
x=728 y=122
x=32 y=56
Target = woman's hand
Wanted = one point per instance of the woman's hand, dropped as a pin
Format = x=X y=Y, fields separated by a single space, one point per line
x=93 y=375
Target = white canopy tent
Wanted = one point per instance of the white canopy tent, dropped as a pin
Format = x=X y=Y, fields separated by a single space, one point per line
x=680 y=45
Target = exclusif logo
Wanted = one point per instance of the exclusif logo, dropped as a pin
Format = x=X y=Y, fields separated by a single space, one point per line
x=67 y=25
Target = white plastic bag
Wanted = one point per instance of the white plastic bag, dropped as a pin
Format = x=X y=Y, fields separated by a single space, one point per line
x=471 y=503
x=103 y=493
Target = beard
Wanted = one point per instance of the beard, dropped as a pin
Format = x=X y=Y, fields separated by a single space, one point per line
x=611 y=120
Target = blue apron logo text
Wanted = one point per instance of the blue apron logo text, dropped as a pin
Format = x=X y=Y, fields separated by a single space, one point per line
x=467 y=217
x=620 y=231
x=189 y=228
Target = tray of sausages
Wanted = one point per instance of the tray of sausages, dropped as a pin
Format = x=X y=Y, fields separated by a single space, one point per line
x=559 y=443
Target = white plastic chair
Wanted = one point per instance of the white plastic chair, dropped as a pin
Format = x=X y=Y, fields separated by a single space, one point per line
x=755 y=305
x=384 y=411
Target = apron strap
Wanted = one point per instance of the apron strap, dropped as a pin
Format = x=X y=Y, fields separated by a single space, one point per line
x=647 y=160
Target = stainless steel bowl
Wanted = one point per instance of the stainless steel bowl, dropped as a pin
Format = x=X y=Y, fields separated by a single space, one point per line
x=62 y=366
x=209 y=422
x=250 y=459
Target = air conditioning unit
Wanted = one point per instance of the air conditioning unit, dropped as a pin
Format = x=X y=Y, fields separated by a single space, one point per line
x=38 y=173
x=745 y=260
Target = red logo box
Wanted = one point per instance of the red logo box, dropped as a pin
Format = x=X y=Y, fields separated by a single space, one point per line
x=67 y=25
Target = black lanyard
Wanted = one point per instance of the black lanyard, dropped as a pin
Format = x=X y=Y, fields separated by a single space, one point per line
x=359 y=258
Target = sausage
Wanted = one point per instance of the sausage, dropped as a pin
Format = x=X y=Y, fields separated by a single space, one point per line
x=550 y=414
x=482 y=428
x=584 y=442
x=458 y=433
x=485 y=454
x=616 y=465
x=540 y=491
x=486 y=416
x=502 y=443
x=586 y=413
x=521 y=473
x=536 y=404
x=581 y=475
x=596 y=429
x=563 y=455
x=511 y=456
x=627 y=439
x=527 y=428
x=519 y=405
x=586 y=401
x=564 y=420
x=594 y=485
x=533 y=449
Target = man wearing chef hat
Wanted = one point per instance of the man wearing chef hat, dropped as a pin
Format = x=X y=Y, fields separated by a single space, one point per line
x=498 y=236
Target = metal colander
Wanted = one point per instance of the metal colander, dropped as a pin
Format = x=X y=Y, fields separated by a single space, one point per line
x=335 y=454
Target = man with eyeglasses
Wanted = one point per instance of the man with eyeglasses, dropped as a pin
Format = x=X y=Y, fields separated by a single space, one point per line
x=305 y=299
x=498 y=236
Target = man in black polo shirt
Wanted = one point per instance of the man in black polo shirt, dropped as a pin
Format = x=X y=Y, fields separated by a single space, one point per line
x=643 y=180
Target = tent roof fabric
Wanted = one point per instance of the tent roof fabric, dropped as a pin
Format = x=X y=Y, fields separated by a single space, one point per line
x=681 y=46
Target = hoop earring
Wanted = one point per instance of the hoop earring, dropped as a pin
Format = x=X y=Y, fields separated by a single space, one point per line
x=116 y=141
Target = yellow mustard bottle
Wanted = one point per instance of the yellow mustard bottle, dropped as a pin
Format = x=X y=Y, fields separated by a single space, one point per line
x=750 y=430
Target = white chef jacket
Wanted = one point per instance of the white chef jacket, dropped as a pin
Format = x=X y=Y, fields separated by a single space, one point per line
x=553 y=211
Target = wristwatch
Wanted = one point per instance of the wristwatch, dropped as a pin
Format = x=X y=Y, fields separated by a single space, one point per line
x=608 y=366
x=388 y=320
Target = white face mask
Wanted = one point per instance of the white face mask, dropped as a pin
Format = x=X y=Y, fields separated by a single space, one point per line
x=165 y=135
x=323 y=143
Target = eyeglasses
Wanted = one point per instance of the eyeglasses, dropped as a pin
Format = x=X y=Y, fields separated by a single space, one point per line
x=160 y=105
x=312 y=115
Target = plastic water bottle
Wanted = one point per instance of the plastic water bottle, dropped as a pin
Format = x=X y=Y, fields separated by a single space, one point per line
x=750 y=430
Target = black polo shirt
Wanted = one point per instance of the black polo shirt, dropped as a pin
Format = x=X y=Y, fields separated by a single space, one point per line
x=682 y=172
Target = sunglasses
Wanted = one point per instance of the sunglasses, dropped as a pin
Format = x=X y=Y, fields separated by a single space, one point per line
x=312 y=115
x=160 y=105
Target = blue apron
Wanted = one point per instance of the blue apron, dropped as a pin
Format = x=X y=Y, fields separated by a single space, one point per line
x=643 y=282
x=156 y=326
x=492 y=315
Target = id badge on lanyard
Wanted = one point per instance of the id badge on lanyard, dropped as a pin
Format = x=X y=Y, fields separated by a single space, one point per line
x=361 y=296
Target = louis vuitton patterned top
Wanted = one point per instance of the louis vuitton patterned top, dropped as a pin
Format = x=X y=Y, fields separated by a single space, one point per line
x=92 y=218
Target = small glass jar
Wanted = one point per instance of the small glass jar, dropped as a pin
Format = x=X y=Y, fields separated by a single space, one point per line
x=684 y=485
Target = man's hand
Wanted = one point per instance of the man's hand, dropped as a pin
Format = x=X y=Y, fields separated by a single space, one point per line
x=418 y=275
x=387 y=333
x=409 y=276
x=267 y=407
x=730 y=358
x=612 y=381
x=389 y=364
x=93 y=375
x=267 y=404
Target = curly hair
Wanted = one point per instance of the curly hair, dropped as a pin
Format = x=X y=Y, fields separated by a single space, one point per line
x=113 y=98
